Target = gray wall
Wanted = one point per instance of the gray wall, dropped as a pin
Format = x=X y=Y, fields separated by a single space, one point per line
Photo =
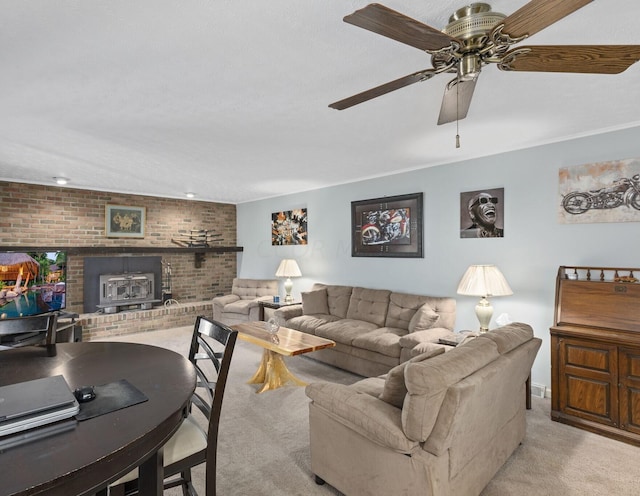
x=529 y=255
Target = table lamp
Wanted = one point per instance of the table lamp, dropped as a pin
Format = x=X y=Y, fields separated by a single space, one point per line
x=288 y=268
x=484 y=281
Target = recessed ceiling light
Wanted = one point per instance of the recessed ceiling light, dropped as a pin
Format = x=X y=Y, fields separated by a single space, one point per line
x=190 y=195
x=61 y=180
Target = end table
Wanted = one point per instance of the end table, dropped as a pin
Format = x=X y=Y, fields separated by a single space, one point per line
x=273 y=305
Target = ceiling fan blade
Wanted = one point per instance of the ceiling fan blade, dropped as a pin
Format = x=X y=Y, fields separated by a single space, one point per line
x=382 y=20
x=456 y=101
x=538 y=14
x=384 y=89
x=588 y=59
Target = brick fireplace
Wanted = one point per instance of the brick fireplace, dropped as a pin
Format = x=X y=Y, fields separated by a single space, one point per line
x=50 y=216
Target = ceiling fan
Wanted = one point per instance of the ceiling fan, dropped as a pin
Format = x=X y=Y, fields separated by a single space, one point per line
x=477 y=36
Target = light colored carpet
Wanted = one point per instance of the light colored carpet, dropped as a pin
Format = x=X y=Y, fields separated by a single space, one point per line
x=263 y=447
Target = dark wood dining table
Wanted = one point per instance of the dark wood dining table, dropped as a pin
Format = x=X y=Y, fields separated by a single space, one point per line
x=85 y=456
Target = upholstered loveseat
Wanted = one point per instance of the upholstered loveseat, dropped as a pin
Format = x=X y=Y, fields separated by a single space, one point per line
x=242 y=304
x=434 y=426
x=374 y=329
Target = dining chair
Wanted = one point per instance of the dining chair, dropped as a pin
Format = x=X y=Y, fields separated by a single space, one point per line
x=196 y=439
x=26 y=331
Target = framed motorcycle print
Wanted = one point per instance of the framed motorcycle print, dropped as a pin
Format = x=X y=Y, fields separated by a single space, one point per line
x=600 y=192
x=387 y=227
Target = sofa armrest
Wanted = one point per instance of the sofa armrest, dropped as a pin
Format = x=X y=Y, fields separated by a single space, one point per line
x=221 y=301
x=255 y=302
x=366 y=414
x=432 y=335
x=289 y=312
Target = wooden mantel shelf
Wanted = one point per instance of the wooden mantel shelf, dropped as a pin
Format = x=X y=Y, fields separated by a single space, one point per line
x=199 y=251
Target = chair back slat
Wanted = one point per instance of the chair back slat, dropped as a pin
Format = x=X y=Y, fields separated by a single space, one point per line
x=17 y=332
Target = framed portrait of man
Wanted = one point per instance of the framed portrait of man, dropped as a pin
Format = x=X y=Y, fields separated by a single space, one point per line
x=482 y=213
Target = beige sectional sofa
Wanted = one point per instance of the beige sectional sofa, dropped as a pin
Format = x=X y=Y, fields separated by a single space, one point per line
x=434 y=426
x=242 y=305
x=374 y=329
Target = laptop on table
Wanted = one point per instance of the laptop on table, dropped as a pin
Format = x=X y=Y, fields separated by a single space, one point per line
x=30 y=404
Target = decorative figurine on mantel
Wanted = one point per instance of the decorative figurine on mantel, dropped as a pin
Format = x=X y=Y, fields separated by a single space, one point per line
x=197 y=238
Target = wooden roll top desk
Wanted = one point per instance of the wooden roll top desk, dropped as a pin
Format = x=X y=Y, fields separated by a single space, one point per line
x=595 y=351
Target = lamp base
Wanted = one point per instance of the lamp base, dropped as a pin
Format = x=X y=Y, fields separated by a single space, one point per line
x=484 y=312
x=288 y=286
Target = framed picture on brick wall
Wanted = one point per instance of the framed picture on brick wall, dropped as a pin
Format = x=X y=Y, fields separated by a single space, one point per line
x=124 y=222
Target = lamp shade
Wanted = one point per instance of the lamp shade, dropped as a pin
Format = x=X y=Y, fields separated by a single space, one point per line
x=484 y=280
x=288 y=268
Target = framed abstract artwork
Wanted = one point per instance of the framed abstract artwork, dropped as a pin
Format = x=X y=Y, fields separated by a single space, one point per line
x=387 y=227
x=289 y=227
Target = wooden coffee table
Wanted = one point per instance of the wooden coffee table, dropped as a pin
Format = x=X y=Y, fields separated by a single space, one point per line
x=272 y=372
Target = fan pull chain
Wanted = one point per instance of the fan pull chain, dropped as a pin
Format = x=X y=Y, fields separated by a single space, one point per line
x=458 y=111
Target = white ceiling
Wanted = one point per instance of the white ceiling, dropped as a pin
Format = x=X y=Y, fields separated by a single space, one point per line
x=228 y=98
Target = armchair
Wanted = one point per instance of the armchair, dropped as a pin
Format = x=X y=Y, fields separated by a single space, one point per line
x=242 y=305
x=440 y=424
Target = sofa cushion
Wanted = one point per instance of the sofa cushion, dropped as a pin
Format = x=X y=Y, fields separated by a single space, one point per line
x=315 y=302
x=402 y=307
x=427 y=383
x=309 y=323
x=362 y=412
x=337 y=298
x=222 y=301
x=344 y=330
x=395 y=389
x=384 y=340
x=369 y=305
x=240 y=306
x=380 y=363
x=248 y=289
x=424 y=318
x=371 y=385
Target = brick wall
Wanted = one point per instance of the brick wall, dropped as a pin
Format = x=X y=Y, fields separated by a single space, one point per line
x=50 y=216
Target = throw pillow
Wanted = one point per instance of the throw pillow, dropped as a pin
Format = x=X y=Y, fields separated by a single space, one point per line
x=424 y=318
x=395 y=389
x=315 y=302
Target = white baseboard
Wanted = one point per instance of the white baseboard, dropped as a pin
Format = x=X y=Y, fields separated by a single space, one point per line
x=540 y=390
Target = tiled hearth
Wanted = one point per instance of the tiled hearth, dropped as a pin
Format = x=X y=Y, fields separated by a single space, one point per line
x=95 y=325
